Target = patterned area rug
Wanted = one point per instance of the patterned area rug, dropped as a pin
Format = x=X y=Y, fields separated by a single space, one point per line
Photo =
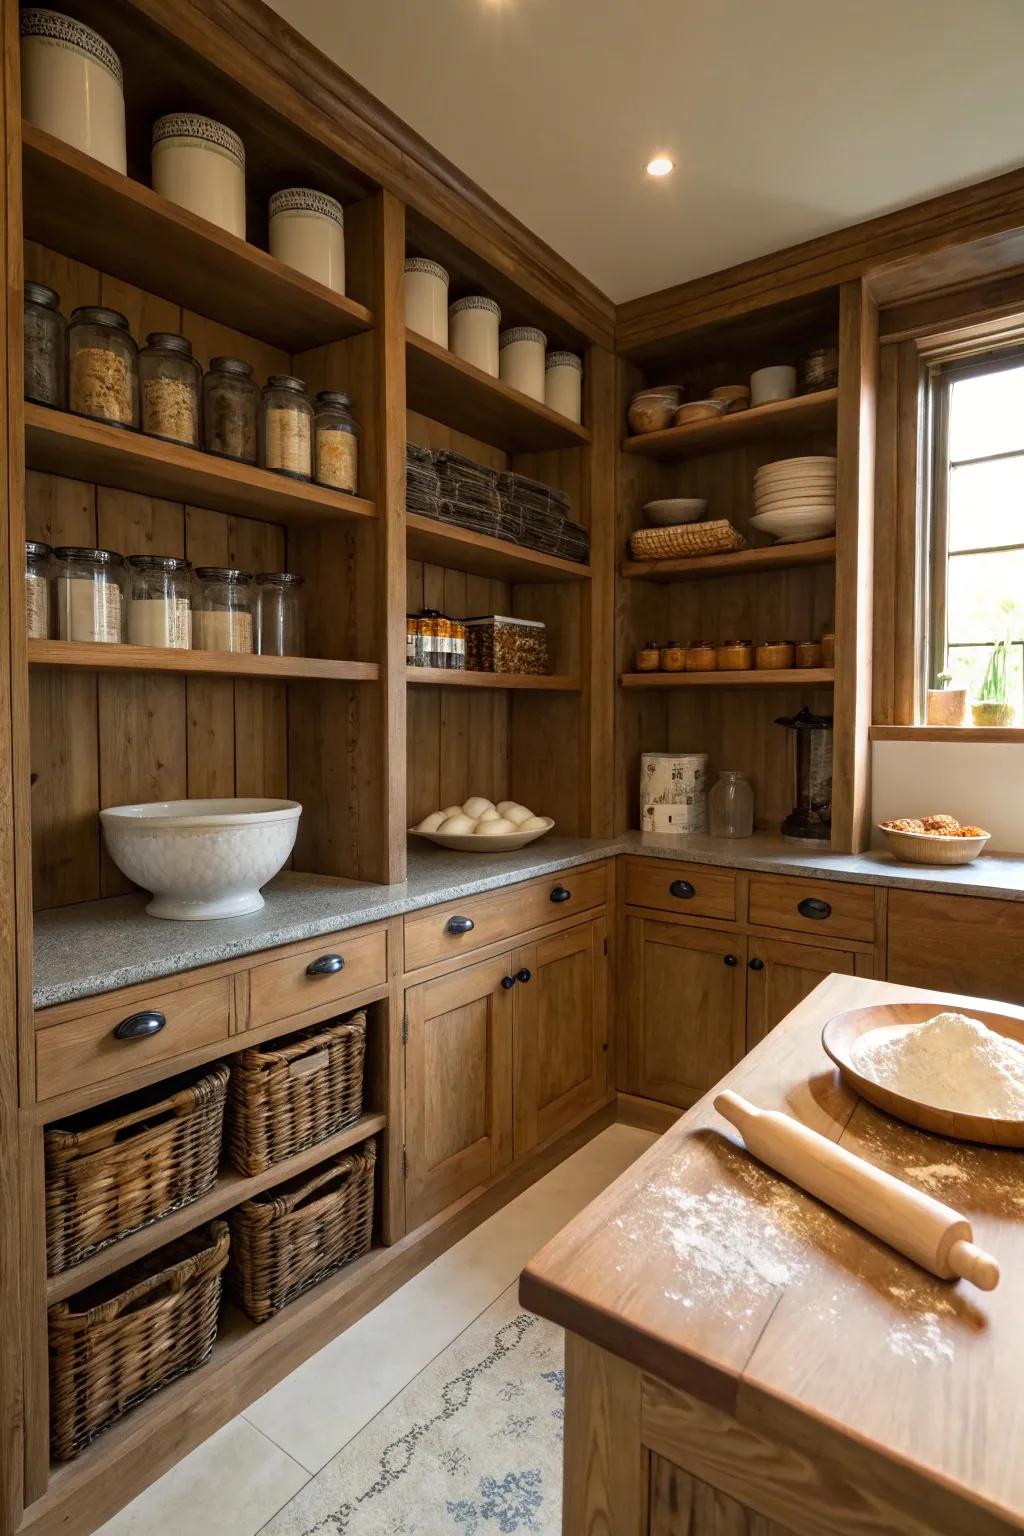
x=472 y=1447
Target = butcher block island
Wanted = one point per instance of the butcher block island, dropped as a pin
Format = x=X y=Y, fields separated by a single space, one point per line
x=742 y=1361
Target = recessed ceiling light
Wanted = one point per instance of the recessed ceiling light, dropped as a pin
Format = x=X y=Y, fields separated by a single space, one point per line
x=661 y=165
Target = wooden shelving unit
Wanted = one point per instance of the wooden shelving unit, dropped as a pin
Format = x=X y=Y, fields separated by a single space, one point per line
x=784 y=677
x=806 y=413
x=461 y=549
x=518 y=681
x=147 y=658
x=744 y=562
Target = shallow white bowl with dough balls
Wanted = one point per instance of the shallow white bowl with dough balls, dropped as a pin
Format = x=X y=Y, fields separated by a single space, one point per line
x=202 y=859
x=480 y=826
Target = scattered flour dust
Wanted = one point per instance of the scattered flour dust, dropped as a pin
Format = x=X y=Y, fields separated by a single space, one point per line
x=920 y=1338
x=952 y=1062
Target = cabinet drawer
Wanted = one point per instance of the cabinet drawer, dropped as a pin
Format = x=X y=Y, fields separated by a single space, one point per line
x=684 y=888
x=814 y=907
x=87 y=1050
x=440 y=932
x=312 y=978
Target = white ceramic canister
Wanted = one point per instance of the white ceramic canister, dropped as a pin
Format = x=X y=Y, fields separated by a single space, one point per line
x=768 y=384
x=521 y=360
x=473 y=331
x=426 y=299
x=307 y=232
x=563 y=384
x=199 y=164
x=673 y=792
x=72 y=85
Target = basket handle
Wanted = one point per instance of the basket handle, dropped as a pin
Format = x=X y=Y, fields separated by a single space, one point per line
x=302 y=1200
x=148 y=1117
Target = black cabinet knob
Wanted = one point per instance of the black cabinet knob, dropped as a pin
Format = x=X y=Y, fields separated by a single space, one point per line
x=757 y=965
x=523 y=975
x=325 y=965
x=461 y=925
x=139 y=1026
x=811 y=906
x=508 y=982
x=682 y=889
x=730 y=960
x=560 y=894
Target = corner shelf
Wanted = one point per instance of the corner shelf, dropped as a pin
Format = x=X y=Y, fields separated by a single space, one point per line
x=97 y=657
x=442 y=386
x=806 y=413
x=482 y=555
x=788 y=677
x=83 y=209
x=438 y=677
x=743 y=562
x=79 y=448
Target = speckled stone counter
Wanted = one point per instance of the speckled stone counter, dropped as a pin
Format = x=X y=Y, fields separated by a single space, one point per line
x=98 y=946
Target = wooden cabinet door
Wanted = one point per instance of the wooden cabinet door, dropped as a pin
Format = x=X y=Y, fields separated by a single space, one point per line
x=686 y=1008
x=967 y=944
x=458 y=1085
x=561 y=1032
x=780 y=975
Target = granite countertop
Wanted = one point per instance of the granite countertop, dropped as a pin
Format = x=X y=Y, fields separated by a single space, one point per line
x=101 y=945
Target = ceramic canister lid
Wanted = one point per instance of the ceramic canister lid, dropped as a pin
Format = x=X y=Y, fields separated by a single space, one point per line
x=190 y=125
x=307 y=200
x=522 y=333
x=431 y=268
x=38 y=22
x=475 y=301
x=564 y=360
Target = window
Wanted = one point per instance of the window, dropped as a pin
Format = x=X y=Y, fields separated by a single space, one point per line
x=978 y=527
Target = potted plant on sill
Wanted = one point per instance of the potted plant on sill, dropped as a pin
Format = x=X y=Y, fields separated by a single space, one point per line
x=991 y=706
x=946 y=705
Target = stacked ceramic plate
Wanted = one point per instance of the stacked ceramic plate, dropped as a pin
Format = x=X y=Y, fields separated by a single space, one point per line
x=795 y=499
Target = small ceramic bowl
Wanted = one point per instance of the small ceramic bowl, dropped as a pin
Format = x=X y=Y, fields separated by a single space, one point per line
x=927 y=848
x=700 y=410
x=673 y=510
x=471 y=843
x=652 y=410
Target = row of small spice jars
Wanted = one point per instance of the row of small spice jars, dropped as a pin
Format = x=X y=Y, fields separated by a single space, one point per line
x=434 y=639
x=93 y=367
x=733 y=656
x=97 y=595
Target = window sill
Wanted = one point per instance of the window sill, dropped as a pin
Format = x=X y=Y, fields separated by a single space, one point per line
x=1007 y=735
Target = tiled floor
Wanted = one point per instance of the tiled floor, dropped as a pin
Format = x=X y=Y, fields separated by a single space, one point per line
x=238 y=1479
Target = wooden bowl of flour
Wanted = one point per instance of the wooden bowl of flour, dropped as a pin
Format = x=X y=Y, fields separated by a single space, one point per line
x=949 y=1104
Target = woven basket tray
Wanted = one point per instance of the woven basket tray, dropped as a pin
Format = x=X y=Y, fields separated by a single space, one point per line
x=107 y=1176
x=714 y=538
x=131 y=1335
x=289 y=1239
x=288 y=1096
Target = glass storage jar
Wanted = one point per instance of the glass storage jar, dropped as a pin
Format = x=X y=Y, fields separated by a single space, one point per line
x=337 y=441
x=103 y=366
x=159 y=601
x=280 y=614
x=169 y=383
x=89 y=596
x=45 y=347
x=731 y=805
x=286 y=427
x=38 y=591
x=648 y=657
x=222 y=610
x=231 y=408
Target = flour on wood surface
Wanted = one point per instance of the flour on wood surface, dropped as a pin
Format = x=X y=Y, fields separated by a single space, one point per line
x=951 y=1062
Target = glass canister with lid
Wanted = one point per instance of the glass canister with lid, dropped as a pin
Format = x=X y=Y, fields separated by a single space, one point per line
x=169 y=383
x=222 y=610
x=231 y=409
x=38 y=589
x=89 y=594
x=337 y=441
x=286 y=427
x=280 y=614
x=45 y=347
x=103 y=367
x=159 y=601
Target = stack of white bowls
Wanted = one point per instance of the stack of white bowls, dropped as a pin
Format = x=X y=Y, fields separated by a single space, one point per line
x=795 y=499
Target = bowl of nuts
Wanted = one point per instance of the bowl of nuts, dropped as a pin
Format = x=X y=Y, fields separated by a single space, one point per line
x=933 y=839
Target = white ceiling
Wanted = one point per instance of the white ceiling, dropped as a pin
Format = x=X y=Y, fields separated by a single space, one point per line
x=786 y=118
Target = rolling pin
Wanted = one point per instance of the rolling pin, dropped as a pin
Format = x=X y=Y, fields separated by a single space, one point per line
x=930 y=1233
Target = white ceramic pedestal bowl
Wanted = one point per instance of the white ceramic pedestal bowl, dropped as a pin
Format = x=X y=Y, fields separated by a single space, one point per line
x=202 y=858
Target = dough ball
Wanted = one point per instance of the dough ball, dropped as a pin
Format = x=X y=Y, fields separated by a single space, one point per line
x=534 y=824
x=476 y=805
x=496 y=827
x=491 y=815
x=505 y=806
x=432 y=822
x=452 y=810
x=457 y=826
x=518 y=814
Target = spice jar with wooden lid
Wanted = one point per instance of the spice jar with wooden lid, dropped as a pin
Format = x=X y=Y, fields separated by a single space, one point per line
x=673 y=657
x=286 y=418
x=337 y=441
x=222 y=610
x=89 y=597
x=103 y=367
x=45 y=336
x=231 y=408
x=736 y=656
x=648 y=657
x=169 y=384
x=159 y=601
x=808 y=654
x=773 y=655
x=702 y=657
x=38 y=589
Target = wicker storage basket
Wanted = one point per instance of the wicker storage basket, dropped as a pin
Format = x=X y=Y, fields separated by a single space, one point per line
x=714 y=538
x=131 y=1335
x=107 y=1176
x=288 y=1096
x=289 y=1239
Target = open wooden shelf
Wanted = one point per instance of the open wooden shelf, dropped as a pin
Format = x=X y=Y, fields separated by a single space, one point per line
x=774 y=557
x=230 y=1190
x=97 y=657
x=438 y=677
x=81 y=449
x=85 y=210
x=785 y=677
x=442 y=386
x=806 y=413
x=463 y=550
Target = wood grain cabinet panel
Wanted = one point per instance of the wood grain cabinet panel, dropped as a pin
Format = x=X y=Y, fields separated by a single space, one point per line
x=780 y=975
x=817 y=908
x=967 y=944
x=688 y=889
x=683 y=1505
x=687 y=1008
x=289 y=986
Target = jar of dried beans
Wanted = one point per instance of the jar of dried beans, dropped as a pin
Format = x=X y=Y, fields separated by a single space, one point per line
x=103 y=368
x=45 y=344
x=231 y=408
x=169 y=382
x=286 y=418
x=337 y=441
x=89 y=597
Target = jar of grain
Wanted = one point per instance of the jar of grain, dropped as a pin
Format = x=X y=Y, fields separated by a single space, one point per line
x=426 y=299
x=735 y=656
x=199 y=164
x=773 y=656
x=286 y=427
x=159 y=602
x=89 y=597
x=307 y=233
x=337 y=441
x=38 y=590
x=280 y=614
x=648 y=657
x=169 y=384
x=563 y=384
x=459 y=640
x=222 y=610
x=809 y=654
x=521 y=360
x=103 y=367
x=473 y=331
x=231 y=408
x=673 y=657
x=702 y=657
x=45 y=347
x=72 y=85
x=413 y=641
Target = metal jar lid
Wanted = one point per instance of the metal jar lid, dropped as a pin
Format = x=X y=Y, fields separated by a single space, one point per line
x=95 y=314
x=39 y=293
x=80 y=552
x=287 y=381
x=36 y=550
x=222 y=573
x=279 y=579
x=169 y=341
x=233 y=365
x=158 y=563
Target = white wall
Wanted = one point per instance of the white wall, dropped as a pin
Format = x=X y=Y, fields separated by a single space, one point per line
x=979 y=782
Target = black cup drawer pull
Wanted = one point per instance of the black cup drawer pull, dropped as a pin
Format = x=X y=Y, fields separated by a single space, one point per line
x=681 y=888
x=139 y=1026
x=560 y=893
x=325 y=965
x=461 y=925
x=812 y=906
